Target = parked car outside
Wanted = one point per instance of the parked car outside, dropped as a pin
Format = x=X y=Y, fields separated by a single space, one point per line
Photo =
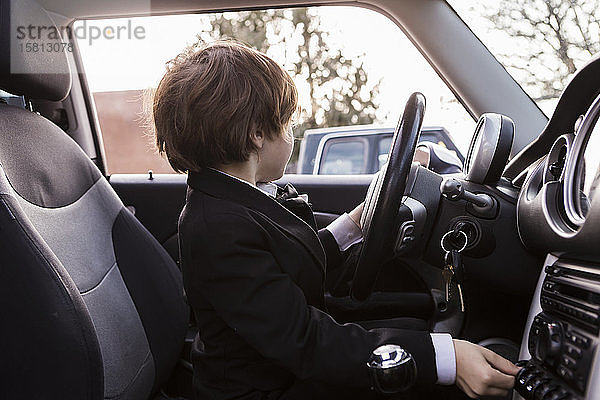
x=362 y=149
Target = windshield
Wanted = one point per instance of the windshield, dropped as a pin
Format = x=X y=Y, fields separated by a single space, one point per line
x=541 y=43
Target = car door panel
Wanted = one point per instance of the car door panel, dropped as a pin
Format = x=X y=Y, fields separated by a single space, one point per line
x=157 y=200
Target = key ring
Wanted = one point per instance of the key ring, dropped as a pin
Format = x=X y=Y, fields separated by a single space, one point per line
x=446 y=235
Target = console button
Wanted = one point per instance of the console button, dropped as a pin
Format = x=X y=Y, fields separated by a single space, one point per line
x=405 y=235
x=550 y=270
x=568 y=362
x=583 y=341
x=578 y=340
x=525 y=370
x=549 y=343
x=565 y=373
x=523 y=378
x=524 y=375
x=533 y=383
x=573 y=352
x=534 y=332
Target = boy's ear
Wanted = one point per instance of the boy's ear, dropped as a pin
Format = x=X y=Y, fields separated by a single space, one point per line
x=257 y=137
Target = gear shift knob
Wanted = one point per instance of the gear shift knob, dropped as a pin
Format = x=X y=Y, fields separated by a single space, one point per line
x=392 y=369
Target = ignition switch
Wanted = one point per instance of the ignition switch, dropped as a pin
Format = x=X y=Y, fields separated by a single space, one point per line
x=470 y=229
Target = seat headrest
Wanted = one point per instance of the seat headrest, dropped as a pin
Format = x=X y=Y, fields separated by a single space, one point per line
x=33 y=59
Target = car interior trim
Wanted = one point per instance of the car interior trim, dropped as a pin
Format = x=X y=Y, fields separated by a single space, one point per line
x=574 y=157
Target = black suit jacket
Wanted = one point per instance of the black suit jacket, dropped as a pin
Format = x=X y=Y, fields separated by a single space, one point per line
x=254 y=274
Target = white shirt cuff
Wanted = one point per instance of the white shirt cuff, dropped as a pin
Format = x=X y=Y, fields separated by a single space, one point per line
x=445 y=358
x=345 y=231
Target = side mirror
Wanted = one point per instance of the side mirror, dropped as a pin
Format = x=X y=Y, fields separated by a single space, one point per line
x=392 y=369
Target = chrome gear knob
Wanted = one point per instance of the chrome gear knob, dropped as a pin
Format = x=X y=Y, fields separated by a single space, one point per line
x=392 y=369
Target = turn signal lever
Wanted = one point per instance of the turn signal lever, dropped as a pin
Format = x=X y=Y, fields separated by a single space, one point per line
x=453 y=190
x=481 y=204
x=392 y=369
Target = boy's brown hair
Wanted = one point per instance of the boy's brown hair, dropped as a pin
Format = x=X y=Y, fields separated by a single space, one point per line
x=212 y=97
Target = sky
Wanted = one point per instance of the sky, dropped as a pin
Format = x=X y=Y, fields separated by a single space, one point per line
x=128 y=63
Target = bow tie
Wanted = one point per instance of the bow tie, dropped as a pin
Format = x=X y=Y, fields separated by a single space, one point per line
x=288 y=192
x=297 y=203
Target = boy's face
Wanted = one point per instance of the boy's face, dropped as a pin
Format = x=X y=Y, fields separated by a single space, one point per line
x=274 y=156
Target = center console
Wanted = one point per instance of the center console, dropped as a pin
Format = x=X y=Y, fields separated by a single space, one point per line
x=559 y=345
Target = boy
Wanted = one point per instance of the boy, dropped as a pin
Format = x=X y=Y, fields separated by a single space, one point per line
x=254 y=271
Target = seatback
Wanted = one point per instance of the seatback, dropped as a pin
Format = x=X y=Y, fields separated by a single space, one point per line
x=93 y=306
x=48 y=341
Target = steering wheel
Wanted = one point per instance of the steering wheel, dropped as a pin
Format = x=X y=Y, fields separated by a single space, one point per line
x=384 y=197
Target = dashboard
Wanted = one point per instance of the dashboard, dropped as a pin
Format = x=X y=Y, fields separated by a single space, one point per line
x=558 y=214
x=560 y=189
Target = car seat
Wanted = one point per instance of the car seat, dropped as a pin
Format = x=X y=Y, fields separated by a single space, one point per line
x=92 y=305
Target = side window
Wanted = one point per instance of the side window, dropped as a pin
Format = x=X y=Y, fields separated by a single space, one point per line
x=383 y=150
x=344 y=157
x=345 y=75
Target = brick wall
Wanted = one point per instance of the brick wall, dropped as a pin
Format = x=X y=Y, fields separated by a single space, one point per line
x=128 y=145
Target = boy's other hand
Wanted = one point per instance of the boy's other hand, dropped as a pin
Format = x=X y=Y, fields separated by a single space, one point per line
x=481 y=372
x=356 y=213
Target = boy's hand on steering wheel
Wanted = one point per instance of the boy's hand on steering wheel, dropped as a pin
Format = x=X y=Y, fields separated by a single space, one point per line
x=481 y=372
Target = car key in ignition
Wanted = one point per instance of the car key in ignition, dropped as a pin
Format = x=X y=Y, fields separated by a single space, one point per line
x=453 y=243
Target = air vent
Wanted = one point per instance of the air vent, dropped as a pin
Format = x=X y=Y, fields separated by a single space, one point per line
x=556 y=168
x=555 y=162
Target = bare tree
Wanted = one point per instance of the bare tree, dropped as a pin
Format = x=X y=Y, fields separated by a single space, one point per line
x=555 y=38
x=344 y=100
x=339 y=88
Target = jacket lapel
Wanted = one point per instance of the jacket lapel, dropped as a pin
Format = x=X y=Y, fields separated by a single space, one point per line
x=222 y=186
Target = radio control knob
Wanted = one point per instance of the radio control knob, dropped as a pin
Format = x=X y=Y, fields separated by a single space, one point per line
x=550 y=341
